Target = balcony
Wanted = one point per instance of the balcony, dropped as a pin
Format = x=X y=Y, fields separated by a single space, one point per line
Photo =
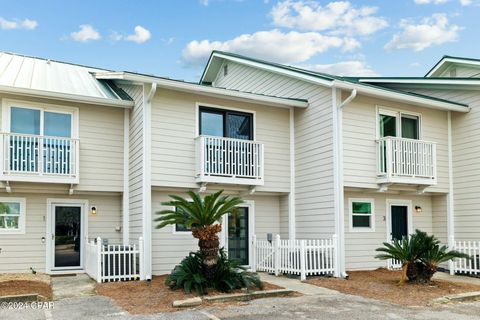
x=406 y=161
x=33 y=158
x=230 y=161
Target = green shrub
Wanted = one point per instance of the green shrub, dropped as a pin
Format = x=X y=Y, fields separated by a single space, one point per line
x=188 y=275
x=228 y=275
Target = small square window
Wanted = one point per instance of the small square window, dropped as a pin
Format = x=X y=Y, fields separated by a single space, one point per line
x=12 y=215
x=361 y=215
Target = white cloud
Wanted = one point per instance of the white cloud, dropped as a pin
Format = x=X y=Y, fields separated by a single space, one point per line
x=434 y=30
x=466 y=2
x=431 y=1
x=339 y=17
x=25 y=24
x=353 y=68
x=85 y=34
x=273 y=45
x=204 y=2
x=141 y=35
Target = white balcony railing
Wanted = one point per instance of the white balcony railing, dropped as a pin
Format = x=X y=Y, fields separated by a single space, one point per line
x=39 y=158
x=227 y=160
x=406 y=161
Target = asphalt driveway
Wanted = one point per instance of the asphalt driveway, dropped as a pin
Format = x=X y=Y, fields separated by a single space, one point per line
x=336 y=306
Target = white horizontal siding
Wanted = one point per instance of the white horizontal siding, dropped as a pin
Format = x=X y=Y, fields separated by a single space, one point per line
x=466 y=168
x=168 y=249
x=135 y=179
x=313 y=143
x=360 y=132
x=22 y=251
x=173 y=140
x=360 y=246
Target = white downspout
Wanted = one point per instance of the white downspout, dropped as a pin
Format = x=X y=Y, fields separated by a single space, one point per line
x=147 y=181
x=291 y=195
x=338 y=178
x=126 y=186
x=450 y=200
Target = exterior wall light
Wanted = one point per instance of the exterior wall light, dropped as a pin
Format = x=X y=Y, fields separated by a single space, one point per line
x=93 y=211
x=418 y=209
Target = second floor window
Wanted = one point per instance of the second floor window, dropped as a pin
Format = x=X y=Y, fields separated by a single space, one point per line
x=399 y=124
x=40 y=122
x=226 y=123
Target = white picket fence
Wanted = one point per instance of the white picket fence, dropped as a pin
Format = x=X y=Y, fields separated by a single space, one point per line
x=105 y=263
x=299 y=257
x=467 y=266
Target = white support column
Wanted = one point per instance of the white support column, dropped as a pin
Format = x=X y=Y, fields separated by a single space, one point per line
x=254 y=248
x=303 y=261
x=99 y=260
x=450 y=199
x=291 y=195
x=276 y=255
x=126 y=186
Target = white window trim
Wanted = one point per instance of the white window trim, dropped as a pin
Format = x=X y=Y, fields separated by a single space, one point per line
x=22 y=218
x=372 y=215
x=198 y=105
x=7 y=104
x=397 y=113
x=174 y=231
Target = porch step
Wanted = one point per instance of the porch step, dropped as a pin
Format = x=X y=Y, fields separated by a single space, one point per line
x=72 y=286
x=296 y=285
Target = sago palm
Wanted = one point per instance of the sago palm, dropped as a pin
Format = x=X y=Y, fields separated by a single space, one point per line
x=408 y=251
x=435 y=256
x=202 y=215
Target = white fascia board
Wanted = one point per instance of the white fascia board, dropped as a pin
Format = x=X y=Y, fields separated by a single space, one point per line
x=405 y=98
x=267 y=67
x=472 y=82
x=450 y=61
x=204 y=90
x=66 y=97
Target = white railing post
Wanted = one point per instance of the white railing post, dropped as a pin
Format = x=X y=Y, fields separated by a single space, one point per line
x=99 y=260
x=277 y=255
x=141 y=259
x=451 y=263
x=388 y=157
x=303 y=260
x=336 y=272
x=254 y=255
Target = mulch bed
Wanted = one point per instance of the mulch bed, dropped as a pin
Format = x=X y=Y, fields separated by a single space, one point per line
x=142 y=297
x=382 y=284
x=18 y=287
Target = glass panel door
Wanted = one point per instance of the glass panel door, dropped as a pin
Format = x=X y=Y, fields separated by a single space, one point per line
x=57 y=151
x=24 y=148
x=238 y=235
x=211 y=123
x=410 y=127
x=399 y=215
x=388 y=126
x=239 y=126
x=68 y=232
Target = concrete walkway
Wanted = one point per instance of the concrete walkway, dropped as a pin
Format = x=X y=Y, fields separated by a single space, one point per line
x=296 y=285
x=460 y=279
x=72 y=286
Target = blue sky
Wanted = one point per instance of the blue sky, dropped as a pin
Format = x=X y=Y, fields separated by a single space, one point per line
x=173 y=38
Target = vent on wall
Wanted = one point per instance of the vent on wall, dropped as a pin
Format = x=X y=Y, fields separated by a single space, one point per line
x=225 y=70
x=453 y=73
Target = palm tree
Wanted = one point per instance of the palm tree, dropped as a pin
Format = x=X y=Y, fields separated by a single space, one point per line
x=434 y=257
x=420 y=255
x=202 y=215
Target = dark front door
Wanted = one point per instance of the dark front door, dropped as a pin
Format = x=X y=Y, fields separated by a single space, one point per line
x=238 y=235
x=68 y=231
x=399 y=222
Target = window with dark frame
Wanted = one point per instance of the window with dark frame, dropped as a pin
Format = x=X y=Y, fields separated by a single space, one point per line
x=226 y=123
